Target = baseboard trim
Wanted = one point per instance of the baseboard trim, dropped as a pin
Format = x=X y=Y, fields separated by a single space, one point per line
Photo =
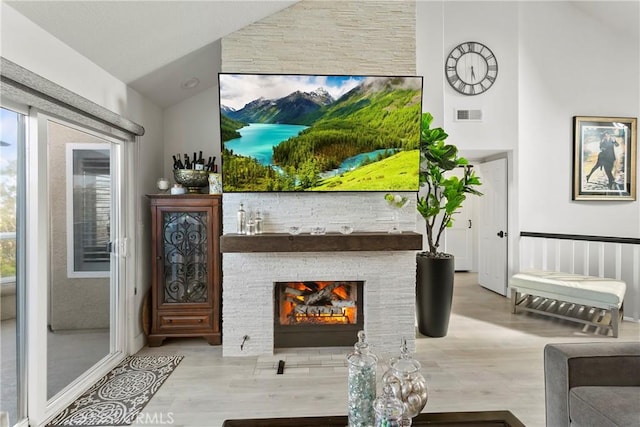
x=136 y=343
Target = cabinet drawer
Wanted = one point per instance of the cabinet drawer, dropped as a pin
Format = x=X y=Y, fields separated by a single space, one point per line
x=184 y=321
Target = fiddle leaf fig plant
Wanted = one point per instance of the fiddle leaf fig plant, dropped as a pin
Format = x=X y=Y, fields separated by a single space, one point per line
x=445 y=193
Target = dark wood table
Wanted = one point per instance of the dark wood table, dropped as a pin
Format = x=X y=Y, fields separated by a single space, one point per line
x=433 y=419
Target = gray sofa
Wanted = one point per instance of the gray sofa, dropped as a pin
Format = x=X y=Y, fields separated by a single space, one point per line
x=592 y=384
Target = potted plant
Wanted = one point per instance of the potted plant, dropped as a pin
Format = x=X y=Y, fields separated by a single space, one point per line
x=444 y=195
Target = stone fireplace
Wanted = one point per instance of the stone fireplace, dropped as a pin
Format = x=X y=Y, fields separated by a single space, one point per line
x=344 y=41
x=252 y=265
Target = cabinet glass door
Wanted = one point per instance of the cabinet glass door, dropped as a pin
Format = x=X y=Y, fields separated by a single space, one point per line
x=184 y=244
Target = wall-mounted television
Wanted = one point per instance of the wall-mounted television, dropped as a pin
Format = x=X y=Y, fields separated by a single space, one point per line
x=291 y=132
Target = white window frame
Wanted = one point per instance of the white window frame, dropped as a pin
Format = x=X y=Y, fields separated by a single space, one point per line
x=71 y=269
x=19 y=280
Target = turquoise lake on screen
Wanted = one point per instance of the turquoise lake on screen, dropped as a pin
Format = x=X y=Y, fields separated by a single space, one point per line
x=258 y=139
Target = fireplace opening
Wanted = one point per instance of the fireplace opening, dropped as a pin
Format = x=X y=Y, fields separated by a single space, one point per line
x=317 y=313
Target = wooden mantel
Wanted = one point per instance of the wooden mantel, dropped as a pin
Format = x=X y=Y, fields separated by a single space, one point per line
x=330 y=242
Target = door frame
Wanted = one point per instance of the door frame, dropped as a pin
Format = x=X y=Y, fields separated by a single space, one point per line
x=464 y=219
x=40 y=409
x=21 y=318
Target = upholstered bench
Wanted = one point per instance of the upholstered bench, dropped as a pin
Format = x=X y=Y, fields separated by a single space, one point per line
x=594 y=301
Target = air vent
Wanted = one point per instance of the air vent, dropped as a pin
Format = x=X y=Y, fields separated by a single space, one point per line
x=468 y=115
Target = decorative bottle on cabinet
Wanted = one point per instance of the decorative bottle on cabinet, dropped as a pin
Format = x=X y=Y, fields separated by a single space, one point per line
x=186 y=267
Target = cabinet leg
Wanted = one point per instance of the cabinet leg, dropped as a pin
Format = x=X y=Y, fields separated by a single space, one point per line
x=154 y=341
x=213 y=339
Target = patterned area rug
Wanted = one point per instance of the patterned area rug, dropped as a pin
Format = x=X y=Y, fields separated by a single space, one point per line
x=118 y=397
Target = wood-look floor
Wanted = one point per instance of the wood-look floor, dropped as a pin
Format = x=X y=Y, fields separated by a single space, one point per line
x=491 y=359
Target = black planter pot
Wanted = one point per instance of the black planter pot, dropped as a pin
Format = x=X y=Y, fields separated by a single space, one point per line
x=434 y=294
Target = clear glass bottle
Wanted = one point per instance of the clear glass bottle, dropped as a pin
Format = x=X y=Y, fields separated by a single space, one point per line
x=407 y=383
x=251 y=225
x=258 y=220
x=361 y=384
x=389 y=409
x=242 y=220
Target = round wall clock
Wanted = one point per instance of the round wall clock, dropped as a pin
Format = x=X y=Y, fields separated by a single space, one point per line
x=471 y=68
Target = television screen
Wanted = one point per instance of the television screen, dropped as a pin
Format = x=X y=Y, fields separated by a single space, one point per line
x=320 y=132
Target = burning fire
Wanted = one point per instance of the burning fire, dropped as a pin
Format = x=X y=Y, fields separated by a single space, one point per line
x=317 y=303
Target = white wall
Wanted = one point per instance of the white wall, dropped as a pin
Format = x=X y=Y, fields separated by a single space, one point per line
x=29 y=46
x=430 y=57
x=442 y=26
x=192 y=125
x=554 y=62
x=571 y=64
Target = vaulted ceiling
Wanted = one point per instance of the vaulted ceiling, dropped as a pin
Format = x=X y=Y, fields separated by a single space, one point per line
x=156 y=47
x=159 y=47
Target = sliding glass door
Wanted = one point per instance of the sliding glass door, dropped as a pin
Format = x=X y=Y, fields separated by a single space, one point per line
x=75 y=250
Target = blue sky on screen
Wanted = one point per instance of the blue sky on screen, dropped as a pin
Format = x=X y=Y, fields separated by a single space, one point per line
x=236 y=90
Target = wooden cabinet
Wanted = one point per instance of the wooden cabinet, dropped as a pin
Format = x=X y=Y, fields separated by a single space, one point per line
x=186 y=267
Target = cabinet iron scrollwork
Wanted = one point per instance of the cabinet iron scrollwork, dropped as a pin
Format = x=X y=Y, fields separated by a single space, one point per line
x=185 y=257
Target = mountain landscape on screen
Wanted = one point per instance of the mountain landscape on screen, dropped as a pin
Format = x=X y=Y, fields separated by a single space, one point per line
x=319 y=133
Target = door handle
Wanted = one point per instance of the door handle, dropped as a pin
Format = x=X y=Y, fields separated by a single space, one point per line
x=501 y=234
x=469 y=223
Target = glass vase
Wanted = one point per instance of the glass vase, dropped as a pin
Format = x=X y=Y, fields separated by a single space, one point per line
x=407 y=384
x=362 y=384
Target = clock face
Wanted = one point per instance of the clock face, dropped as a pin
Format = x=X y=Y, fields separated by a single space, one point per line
x=471 y=68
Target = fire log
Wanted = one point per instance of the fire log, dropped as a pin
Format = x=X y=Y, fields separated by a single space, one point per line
x=343 y=303
x=324 y=293
x=315 y=310
x=292 y=291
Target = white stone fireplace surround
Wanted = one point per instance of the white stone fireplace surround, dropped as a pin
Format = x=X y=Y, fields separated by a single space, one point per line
x=248 y=278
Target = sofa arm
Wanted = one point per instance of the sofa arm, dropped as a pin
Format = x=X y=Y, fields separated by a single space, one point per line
x=585 y=364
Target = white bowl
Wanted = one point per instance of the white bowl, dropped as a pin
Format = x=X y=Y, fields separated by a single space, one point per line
x=346 y=229
x=318 y=230
x=295 y=230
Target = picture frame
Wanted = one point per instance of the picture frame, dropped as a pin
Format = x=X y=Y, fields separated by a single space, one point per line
x=605 y=151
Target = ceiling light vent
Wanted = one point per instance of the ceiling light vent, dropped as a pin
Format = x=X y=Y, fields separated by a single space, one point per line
x=468 y=115
x=190 y=83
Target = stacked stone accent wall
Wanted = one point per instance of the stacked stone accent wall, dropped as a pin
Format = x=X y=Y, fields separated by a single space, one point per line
x=328 y=37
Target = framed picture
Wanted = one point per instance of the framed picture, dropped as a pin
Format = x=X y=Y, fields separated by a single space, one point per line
x=604 y=158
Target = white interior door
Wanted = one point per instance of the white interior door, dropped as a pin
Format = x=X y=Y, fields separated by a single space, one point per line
x=458 y=240
x=492 y=226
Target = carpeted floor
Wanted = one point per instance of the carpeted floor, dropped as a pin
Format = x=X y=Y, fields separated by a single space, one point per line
x=118 y=397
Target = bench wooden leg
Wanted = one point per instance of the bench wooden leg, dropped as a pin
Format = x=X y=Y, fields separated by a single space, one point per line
x=514 y=299
x=615 y=321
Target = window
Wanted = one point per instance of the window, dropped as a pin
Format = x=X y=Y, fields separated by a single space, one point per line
x=88 y=210
x=11 y=133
